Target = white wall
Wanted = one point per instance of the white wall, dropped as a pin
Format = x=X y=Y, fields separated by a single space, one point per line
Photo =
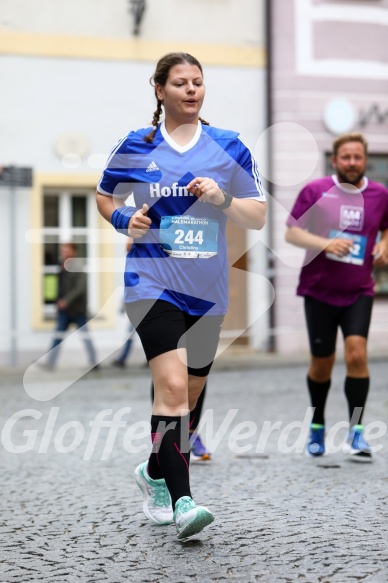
x=212 y=21
x=44 y=98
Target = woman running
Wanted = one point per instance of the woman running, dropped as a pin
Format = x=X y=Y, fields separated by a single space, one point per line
x=187 y=179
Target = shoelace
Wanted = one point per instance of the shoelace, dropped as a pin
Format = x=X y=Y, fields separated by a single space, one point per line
x=185 y=506
x=160 y=496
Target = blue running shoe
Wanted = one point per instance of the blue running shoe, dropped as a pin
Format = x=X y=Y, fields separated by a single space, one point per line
x=316 y=441
x=356 y=445
x=190 y=518
x=198 y=452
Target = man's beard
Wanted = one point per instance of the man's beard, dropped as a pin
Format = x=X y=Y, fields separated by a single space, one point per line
x=354 y=181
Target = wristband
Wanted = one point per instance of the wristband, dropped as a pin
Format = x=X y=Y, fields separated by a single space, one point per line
x=227 y=201
x=121 y=217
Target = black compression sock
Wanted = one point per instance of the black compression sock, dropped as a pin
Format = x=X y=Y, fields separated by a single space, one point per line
x=195 y=414
x=170 y=436
x=154 y=470
x=318 y=395
x=356 y=391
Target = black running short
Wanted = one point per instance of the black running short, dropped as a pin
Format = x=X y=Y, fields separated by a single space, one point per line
x=162 y=327
x=323 y=321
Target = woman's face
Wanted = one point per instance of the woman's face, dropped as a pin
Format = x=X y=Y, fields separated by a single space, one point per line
x=183 y=94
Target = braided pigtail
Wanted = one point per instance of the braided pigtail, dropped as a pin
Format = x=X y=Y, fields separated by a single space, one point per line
x=155 y=120
x=204 y=122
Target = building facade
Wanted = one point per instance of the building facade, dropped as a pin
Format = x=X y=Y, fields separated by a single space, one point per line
x=75 y=78
x=329 y=75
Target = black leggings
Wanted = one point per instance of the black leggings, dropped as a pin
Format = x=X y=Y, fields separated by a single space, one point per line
x=162 y=327
x=323 y=321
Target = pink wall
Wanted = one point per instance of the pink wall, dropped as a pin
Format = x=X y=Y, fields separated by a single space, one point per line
x=321 y=51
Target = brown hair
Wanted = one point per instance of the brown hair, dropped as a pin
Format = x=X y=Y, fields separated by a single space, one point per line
x=353 y=137
x=160 y=77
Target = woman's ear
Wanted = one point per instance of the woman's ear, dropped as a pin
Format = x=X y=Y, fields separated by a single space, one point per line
x=159 y=92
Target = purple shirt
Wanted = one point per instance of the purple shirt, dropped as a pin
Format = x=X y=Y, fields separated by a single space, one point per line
x=324 y=207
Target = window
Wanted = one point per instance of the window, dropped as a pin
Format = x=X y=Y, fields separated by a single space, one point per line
x=68 y=215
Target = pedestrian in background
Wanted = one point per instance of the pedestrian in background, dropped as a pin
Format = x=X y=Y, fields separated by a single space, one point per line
x=342 y=222
x=187 y=179
x=71 y=306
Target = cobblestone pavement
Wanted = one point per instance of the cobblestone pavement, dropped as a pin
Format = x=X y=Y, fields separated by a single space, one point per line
x=71 y=511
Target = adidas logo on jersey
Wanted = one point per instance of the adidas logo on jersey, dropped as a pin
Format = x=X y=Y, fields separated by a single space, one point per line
x=152 y=167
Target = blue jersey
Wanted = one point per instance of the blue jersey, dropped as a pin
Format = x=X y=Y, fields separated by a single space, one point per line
x=183 y=257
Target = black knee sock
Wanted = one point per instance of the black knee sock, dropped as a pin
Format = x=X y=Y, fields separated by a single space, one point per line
x=318 y=395
x=171 y=453
x=195 y=414
x=154 y=470
x=356 y=391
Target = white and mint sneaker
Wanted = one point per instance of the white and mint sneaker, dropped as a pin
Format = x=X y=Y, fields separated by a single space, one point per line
x=157 y=500
x=190 y=518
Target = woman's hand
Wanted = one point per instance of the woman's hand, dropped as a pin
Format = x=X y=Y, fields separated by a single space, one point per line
x=139 y=223
x=206 y=190
x=244 y=212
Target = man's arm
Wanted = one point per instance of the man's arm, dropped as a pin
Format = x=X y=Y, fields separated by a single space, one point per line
x=302 y=238
x=380 y=250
